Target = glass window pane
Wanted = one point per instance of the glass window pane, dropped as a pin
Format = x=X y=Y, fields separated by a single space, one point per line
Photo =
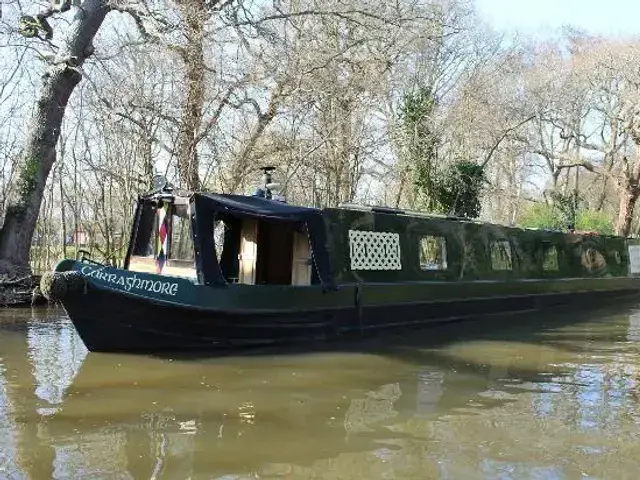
x=433 y=253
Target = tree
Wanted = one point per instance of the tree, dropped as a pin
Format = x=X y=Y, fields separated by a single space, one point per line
x=61 y=78
x=39 y=153
x=421 y=143
x=320 y=90
x=458 y=189
x=254 y=29
x=594 y=124
x=194 y=16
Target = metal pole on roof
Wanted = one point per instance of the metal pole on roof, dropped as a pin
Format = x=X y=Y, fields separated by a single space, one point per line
x=266 y=181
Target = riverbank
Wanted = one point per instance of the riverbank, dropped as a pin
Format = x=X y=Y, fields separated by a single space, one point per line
x=20 y=291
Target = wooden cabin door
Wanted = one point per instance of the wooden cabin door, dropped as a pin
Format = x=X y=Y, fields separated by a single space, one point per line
x=301 y=271
x=248 y=252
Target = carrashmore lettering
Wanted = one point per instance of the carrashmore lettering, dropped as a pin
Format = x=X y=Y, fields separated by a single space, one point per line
x=131 y=282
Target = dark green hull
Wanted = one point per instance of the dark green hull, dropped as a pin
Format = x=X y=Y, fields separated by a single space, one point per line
x=111 y=319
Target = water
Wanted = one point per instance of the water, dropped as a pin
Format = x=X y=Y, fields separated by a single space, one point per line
x=522 y=397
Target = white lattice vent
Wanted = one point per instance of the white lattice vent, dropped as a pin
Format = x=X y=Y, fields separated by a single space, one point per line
x=374 y=250
x=634 y=259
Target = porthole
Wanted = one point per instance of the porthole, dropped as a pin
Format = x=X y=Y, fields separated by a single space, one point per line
x=550 y=260
x=593 y=260
x=433 y=253
x=501 y=255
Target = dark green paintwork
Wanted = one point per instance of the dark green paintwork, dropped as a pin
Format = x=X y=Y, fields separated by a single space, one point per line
x=423 y=292
x=234 y=298
x=468 y=249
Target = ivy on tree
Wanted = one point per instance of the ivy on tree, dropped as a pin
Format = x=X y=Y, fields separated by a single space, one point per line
x=568 y=205
x=31 y=27
x=455 y=189
x=458 y=189
x=421 y=140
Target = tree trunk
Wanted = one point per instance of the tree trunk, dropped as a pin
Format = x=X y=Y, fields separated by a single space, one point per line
x=555 y=175
x=628 y=200
x=602 y=198
x=629 y=194
x=193 y=57
x=40 y=148
x=242 y=162
x=63 y=220
x=403 y=178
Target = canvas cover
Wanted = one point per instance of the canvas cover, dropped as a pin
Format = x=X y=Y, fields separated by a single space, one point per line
x=206 y=208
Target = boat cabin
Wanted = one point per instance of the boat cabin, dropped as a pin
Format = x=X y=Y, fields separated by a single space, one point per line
x=228 y=239
x=372 y=244
x=221 y=239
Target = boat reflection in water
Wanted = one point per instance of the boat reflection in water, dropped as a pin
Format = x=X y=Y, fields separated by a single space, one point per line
x=472 y=407
x=261 y=416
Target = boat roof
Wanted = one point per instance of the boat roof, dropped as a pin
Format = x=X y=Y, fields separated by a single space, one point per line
x=256 y=207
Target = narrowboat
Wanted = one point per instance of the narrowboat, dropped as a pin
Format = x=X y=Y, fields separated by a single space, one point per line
x=210 y=271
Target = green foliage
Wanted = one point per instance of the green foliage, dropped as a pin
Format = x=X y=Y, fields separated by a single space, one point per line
x=28 y=178
x=554 y=217
x=458 y=189
x=595 y=221
x=422 y=143
x=417 y=108
x=568 y=205
x=30 y=27
x=541 y=215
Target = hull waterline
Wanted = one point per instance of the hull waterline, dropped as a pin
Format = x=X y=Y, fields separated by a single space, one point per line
x=109 y=320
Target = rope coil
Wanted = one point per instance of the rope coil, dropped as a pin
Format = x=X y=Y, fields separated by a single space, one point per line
x=58 y=286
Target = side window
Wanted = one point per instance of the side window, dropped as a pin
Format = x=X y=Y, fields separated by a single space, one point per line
x=593 y=260
x=550 y=258
x=433 y=253
x=501 y=255
x=145 y=240
x=616 y=257
x=181 y=238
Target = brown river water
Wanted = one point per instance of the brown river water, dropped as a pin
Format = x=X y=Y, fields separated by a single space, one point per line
x=527 y=397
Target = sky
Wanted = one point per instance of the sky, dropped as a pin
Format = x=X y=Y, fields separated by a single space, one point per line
x=540 y=17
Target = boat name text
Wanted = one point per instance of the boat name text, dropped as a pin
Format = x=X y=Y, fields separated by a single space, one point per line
x=132 y=282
